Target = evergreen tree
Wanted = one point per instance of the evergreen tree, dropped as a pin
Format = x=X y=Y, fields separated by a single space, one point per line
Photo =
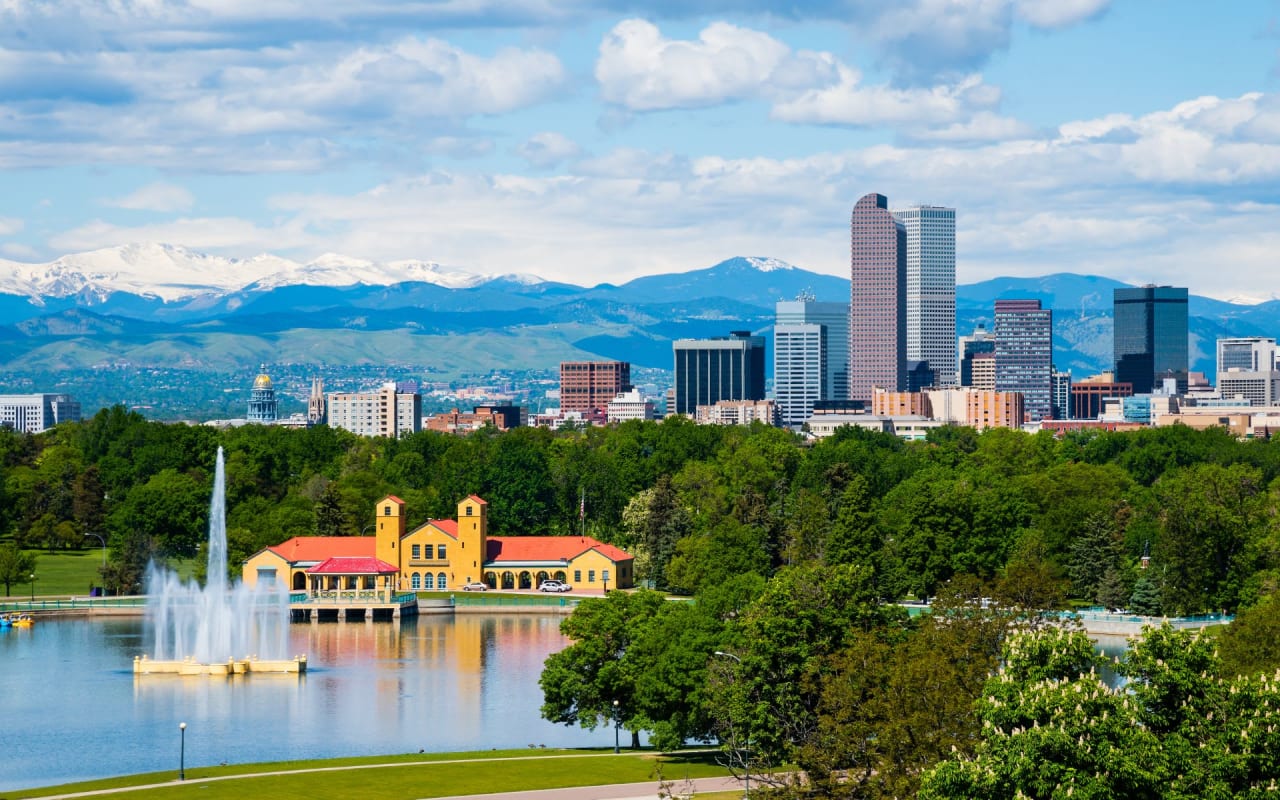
x=1145 y=599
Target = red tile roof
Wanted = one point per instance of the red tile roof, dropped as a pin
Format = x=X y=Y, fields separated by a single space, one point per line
x=395 y=499
x=546 y=548
x=476 y=499
x=352 y=566
x=318 y=548
x=449 y=526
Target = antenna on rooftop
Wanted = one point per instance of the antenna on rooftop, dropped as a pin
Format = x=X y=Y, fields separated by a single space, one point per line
x=806 y=295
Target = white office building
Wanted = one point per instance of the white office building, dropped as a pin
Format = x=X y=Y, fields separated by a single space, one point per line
x=382 y=412
x=33 y=413
x=931 y=288
x=810 y=357
x=630 y=405
x=1247 y=371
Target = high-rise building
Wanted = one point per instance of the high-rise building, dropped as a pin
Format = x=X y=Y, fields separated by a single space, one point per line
x=810 y=356
x=590 y=385
x=1247 y=370
x=34 y=413
x=931 y=288
x=877 y=299
x=980 y=341
x=983 y=369
x=262 y=400
x=1024 y=354
x=1061 y=393
x=383 y=412
x=1150 y=341
x=711 y=370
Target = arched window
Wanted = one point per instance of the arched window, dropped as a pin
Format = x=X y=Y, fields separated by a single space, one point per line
x=429 y=581
x=526 y=581
x=416 y=581
x=299 y=581
x=542 y=576
x=441 y=581
x=508 y=580
x=491 y=580
x=560 y=575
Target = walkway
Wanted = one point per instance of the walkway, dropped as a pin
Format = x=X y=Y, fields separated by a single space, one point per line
x=622 y=791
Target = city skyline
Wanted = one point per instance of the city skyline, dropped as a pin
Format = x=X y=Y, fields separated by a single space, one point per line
x=573 y=140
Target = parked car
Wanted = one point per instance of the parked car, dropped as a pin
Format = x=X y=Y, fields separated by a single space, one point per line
x=476 y=586
x=554 y=586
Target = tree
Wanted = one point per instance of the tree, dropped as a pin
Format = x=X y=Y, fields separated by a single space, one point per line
x=1145 y=599
x=1052 y=728
x=1251 y=643
x=15 y=566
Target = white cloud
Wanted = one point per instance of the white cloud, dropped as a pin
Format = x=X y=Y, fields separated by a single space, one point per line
x=19 y=251
x=155 y=197
x=547 y=149
x=10 y=226
x=642 y=70
x=1059 y=13
x=848 y=102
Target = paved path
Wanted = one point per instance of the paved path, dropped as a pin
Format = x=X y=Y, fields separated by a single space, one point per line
x=617 y=791
x=623 y=791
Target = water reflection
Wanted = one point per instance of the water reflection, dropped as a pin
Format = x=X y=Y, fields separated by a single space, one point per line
x=436 y=683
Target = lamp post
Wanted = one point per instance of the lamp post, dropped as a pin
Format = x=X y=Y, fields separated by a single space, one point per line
x=182 y=751
x=746 y=780
x=33 y=587
x=615 y=727
x=98 y=536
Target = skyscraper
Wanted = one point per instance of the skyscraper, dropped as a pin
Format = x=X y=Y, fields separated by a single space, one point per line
x=877 y=299
x=931 y=288
x=1150 y=341
x=810 y=356
x=1024 y=354
x=711 y=370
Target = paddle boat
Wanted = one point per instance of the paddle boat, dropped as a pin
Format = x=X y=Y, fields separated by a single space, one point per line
x=22 y=621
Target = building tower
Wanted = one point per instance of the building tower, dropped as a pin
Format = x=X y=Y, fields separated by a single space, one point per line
x=711 y=370
x=315 y=403
x=1247 y=371
x=473 y=533
x=1150 y=341
x=931 y=288
x=980 y=341
x=262 y=399
x=1024 y=354
x=877 y=299
x=810 y=356
x=587 y=386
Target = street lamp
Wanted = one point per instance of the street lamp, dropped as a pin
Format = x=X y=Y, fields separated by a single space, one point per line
x=182 y=751
x=33 y=587
x=98 y=536
x=615 y=727
x=746 y=779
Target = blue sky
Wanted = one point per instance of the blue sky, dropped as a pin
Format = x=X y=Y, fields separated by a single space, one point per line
x=593 y=141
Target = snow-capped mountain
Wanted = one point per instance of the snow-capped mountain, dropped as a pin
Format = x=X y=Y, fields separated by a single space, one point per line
x=171 y=272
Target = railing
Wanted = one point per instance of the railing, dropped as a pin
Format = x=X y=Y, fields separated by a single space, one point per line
x=73 y=604
x=498 y=599
x=354 y=596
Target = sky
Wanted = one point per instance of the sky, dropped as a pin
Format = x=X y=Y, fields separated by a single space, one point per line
x=599 y=141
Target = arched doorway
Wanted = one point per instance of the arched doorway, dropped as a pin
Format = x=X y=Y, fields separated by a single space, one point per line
x=526 y=582
x=542 y=576
x=491 y=580
x=299 y=581
x=508 y=580
x=560 y=575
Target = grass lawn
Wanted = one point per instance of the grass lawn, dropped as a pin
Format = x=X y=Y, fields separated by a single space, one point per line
x=411 y=776
x=72 y=572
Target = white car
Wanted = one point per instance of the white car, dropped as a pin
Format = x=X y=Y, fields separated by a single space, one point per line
x=476 y=586
x=554 y=586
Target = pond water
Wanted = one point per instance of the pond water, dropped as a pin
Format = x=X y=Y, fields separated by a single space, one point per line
x=71 y=708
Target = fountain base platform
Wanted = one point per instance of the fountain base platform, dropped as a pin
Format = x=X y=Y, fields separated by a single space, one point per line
x=142 y=665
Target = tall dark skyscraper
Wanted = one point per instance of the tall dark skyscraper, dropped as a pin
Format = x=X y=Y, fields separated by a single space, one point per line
x=1150 y=341
x=711 y=370
x=1024 y=354
x=877 y=299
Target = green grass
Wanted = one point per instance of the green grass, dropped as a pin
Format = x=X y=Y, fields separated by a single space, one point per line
x=410 y=776
x=72 y=572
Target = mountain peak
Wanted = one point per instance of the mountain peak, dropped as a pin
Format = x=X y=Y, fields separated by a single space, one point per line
x=755 y=264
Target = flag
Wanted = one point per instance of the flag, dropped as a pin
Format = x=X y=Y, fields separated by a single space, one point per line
x=582 y=505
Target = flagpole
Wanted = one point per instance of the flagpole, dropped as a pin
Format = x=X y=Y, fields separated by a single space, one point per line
x=582 y=511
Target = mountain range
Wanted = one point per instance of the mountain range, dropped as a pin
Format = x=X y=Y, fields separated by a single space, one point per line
x=163 y=305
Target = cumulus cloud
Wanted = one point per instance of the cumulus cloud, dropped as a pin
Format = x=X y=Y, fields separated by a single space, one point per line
x=642 y=70
x=547 y=149
x=155 y=197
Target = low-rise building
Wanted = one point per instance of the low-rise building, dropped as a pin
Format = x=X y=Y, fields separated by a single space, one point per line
x=504 y=418
x=738 y=412
x=631 y=405
x=447 y=554
x=34 y=413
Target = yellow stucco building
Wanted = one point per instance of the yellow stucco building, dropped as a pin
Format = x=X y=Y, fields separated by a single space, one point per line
x=447 y=554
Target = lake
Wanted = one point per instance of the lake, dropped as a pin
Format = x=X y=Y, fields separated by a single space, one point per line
x=72 y=708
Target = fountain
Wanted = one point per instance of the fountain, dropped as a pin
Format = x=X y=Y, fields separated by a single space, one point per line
x=200 y=630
